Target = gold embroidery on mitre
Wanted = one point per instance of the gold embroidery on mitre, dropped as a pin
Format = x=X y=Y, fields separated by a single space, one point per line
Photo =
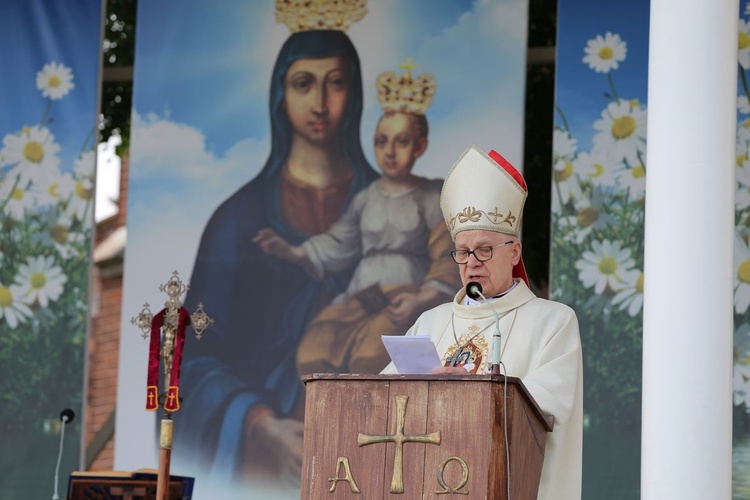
x=472 y=215
x=473 y=354
x=405 y=93
x=308 y=15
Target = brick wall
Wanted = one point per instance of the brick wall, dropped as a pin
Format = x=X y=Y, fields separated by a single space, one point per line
x=104 y=341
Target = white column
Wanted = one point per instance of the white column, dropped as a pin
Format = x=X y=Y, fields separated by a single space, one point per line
x=688 y=323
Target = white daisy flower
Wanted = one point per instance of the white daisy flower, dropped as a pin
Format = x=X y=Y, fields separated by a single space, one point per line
x=32 y=154
x=55 y=80
x=12 y=309
x=19 y=199
x=634 y=180
x=80 y=203
x=85 y=165
x=566 y=187
x=53 y=189
x=67 y=242
x=743 y=44
x=41 y=280
x=563 y=145
x=741 y=369
x=741 y=275
x=630 y=297
x=604 y=54
x=597 y=168
x=622 y=131
x=742 y=178
x=590 y=215
x=743 y=105
x=741 y=384
x=604 y=266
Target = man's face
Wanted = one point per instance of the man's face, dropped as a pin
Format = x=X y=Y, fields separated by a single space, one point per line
x=315 y=95
x=496 y=274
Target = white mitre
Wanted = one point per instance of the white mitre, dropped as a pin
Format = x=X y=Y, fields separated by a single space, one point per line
x=483 y=191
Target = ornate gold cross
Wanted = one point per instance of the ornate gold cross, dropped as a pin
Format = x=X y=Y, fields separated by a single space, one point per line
x=397 y=481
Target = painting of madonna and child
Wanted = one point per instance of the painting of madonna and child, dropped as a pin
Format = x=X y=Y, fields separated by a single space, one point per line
x=305 y=158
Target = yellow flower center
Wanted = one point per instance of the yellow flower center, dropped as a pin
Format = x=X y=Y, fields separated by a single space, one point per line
x=638 y=172
x=54 y=190
x=587 y=216
x=54 y=81
x=17 y=194
x=598 y=170
x=741 y=159
x=639 y=284
x=33 y=151
x=6 y=298
x=59 y=233
x=623 y=127
x=564 y=174
x=38 y=280
x=635 y=103
x=743 y=41
x=743 y=272
x=82 y=192
x=607 y=265
x=606 y=53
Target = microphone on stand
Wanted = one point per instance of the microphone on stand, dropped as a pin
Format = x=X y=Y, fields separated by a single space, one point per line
x=474 y=291
x=66 y=417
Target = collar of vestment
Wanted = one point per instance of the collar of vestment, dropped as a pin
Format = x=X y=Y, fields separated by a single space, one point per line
x=517 y=297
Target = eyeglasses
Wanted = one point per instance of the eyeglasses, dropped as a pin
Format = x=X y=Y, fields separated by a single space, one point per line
x=482 y=254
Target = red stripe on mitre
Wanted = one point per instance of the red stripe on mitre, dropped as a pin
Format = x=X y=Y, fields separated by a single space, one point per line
x=509 y=168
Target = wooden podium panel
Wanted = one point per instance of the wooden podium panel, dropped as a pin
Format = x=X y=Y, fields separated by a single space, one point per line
x=450 y=432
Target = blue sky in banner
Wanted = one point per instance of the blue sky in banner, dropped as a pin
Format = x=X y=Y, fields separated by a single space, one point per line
x=580 y=89
x=214 y=87
x=224 y=73
x=21 y=102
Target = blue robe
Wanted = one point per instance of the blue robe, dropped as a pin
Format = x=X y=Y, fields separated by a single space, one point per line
x=260 y=303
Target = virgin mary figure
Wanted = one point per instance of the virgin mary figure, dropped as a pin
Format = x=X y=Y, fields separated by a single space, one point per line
x=242 y=409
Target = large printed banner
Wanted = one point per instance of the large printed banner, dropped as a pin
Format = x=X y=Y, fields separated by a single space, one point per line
x=597 y=231
x=598 y=193
x=249 y=136
x=48 y=98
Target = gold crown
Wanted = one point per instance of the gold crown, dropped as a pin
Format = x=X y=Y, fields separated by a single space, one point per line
x=308 y=15
x=405 y=93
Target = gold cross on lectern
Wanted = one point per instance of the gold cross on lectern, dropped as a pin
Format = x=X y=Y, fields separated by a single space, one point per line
x=397 y=482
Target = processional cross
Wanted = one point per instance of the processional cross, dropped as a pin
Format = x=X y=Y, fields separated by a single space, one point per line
x=167 y=331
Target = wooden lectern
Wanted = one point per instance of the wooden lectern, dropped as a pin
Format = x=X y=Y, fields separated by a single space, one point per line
x=421 y=436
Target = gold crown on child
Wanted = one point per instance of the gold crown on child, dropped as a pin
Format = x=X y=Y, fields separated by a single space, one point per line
x=308 y=15
x=405 y=93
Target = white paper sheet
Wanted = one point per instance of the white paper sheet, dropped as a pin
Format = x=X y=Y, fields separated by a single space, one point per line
x=412 y=354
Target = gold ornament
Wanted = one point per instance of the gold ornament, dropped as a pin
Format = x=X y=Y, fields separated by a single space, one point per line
x=308 y=15
x=405 y=93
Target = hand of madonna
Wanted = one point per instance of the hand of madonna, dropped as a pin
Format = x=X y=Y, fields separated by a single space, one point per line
x=272 y=243
x=283 y=438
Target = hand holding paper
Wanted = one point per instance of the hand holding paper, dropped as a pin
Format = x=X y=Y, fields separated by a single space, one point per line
x=412 y=354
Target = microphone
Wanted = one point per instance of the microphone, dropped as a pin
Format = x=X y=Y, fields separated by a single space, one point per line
x=474 y=291
x=66 y=417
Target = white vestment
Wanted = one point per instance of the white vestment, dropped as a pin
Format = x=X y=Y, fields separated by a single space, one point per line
x=541 y=345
